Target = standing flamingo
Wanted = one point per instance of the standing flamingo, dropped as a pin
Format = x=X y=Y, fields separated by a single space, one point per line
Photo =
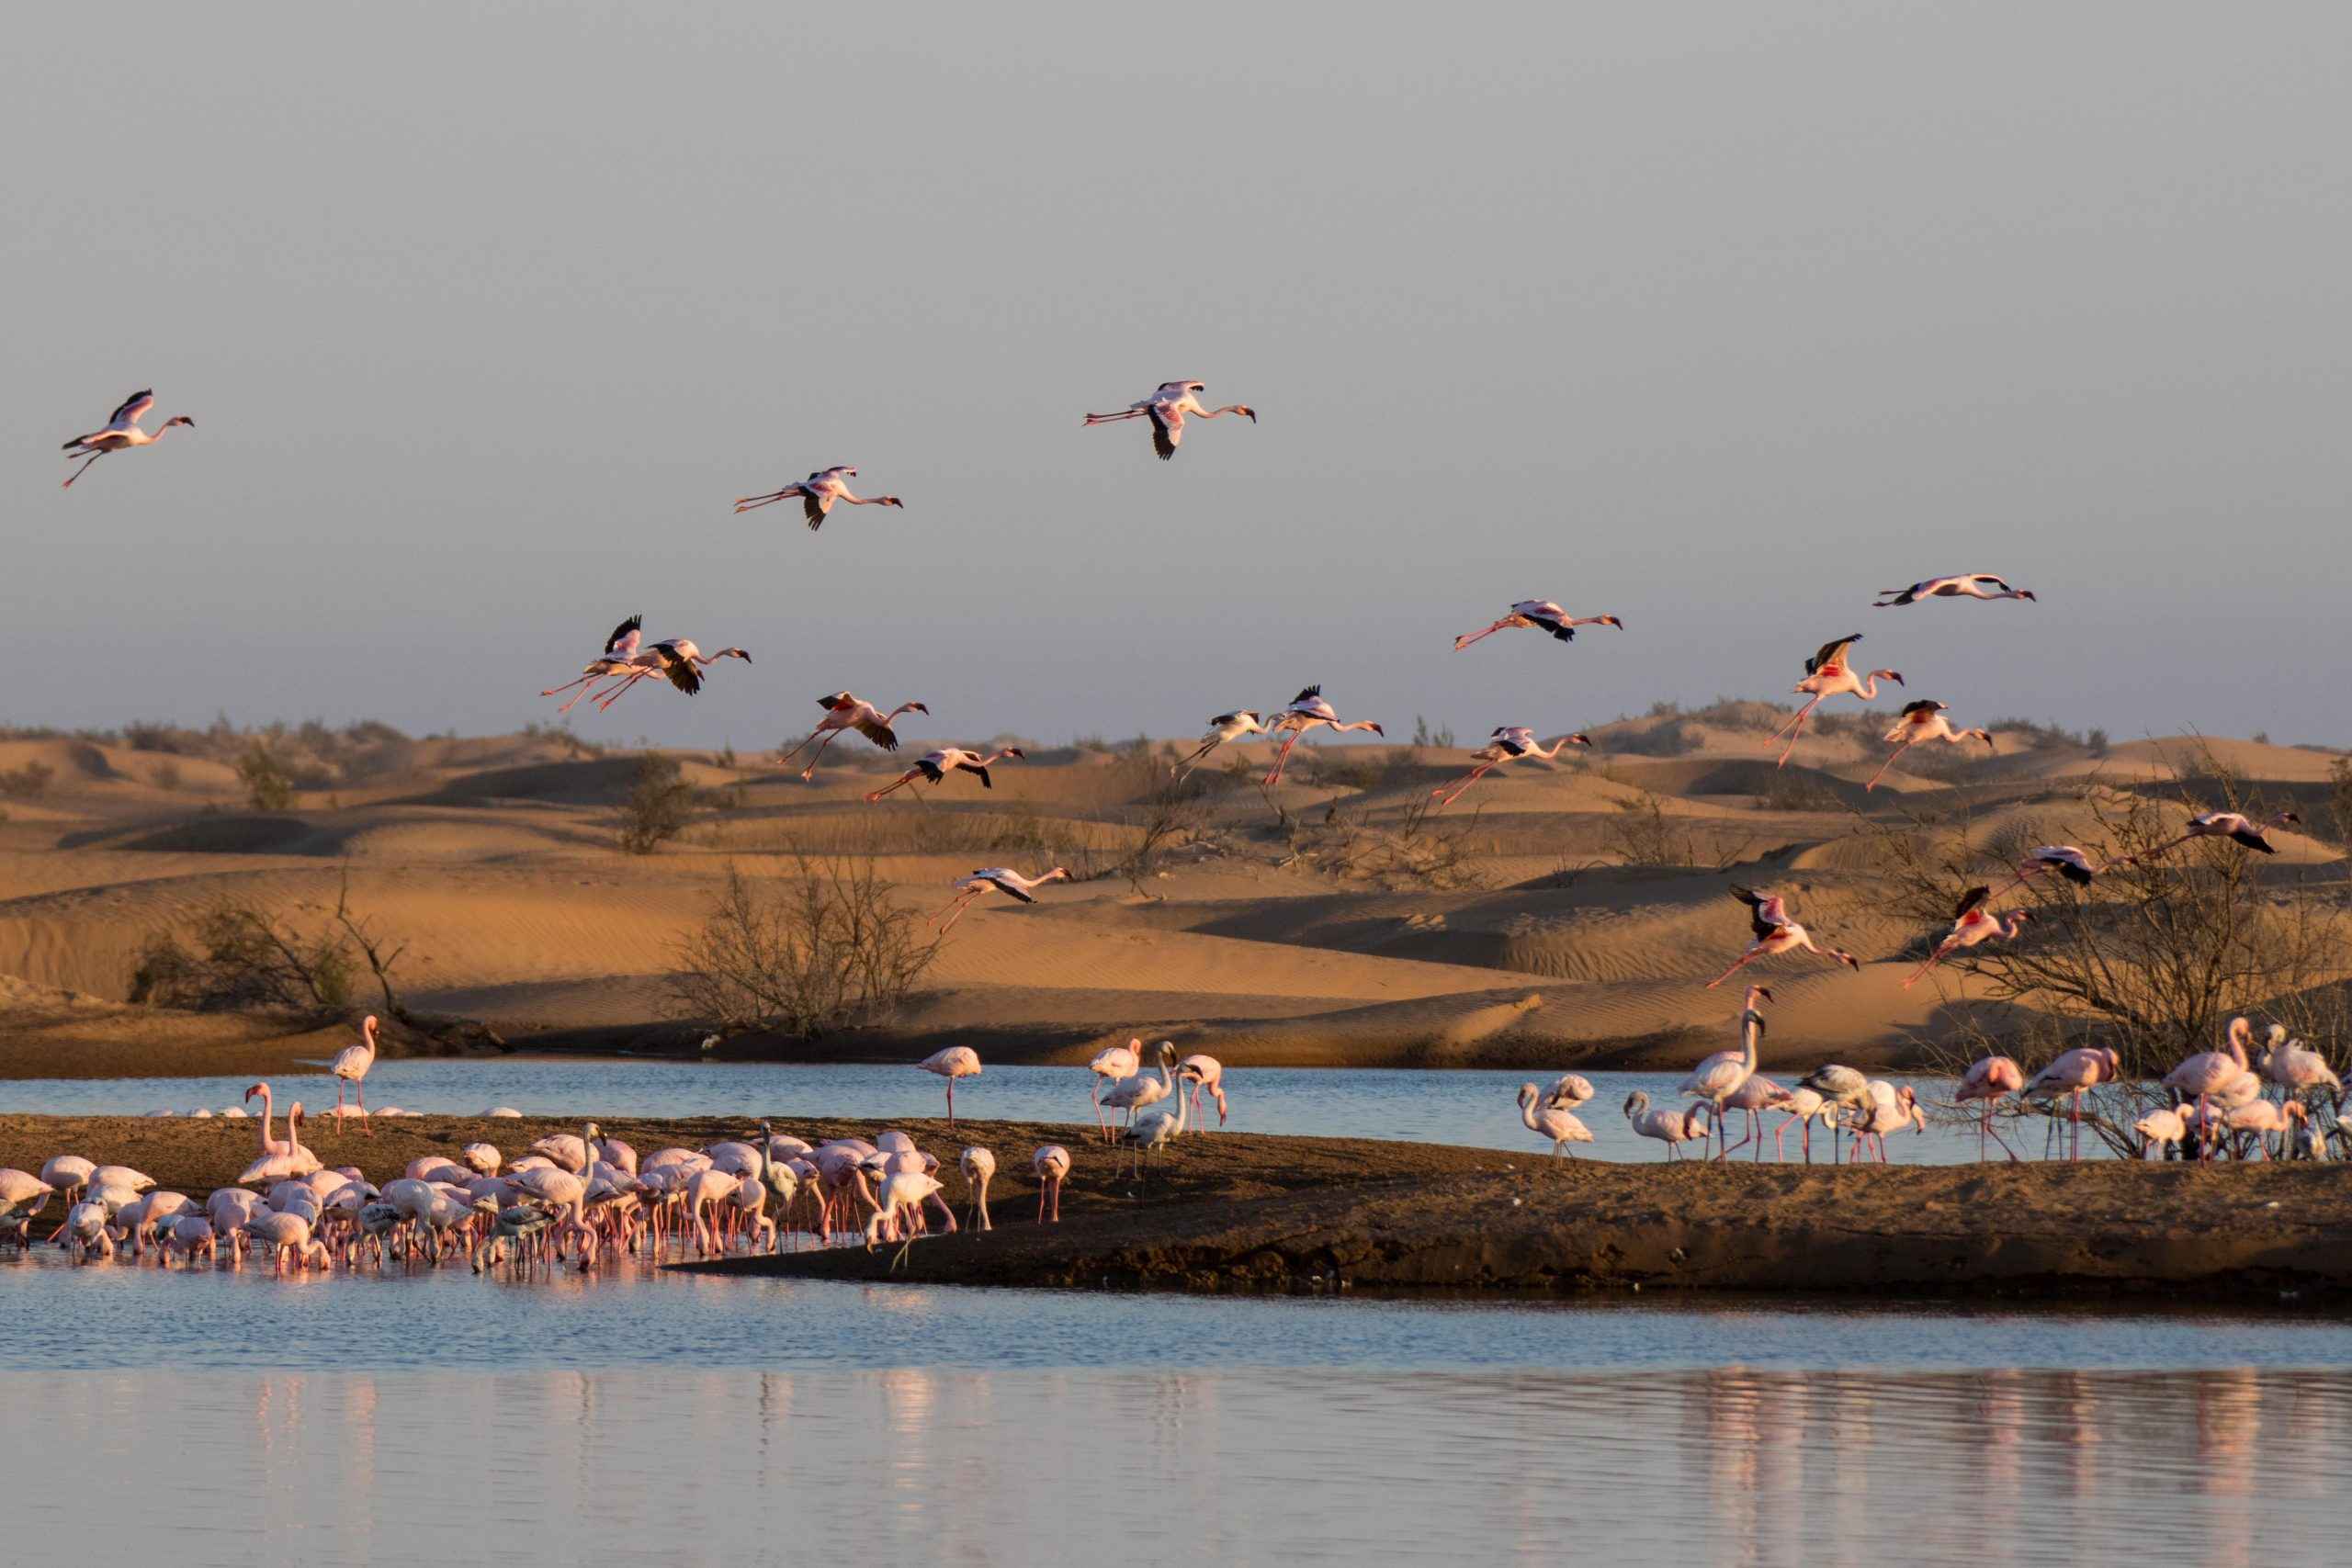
x=933 y=766
x=121 y=433
x=269 y=1144
x=618 y=659
x=842 y=712
x=1922 y=720
x=978 y=1166
x=1112 y=1063
x=1972 y=922
x=1166 y=408
x=350 y=1067
x=955 y=1062
x=1224 y=727
x=1136 y=1094
x=1554 y=1123
x=1306 y=711
x=1990 y=1079
x=2296 y=1068
x=1511 y=743
x=1671 y=1125
x=1974 y=585
x=1205 y=1075
x=1826 y=674
x=2077 y=1073
x=1840 y=1088
x=1540 y=615
x=996 y=879
x=818 y=493
x=1768 y=916
x=1719 y=1076
x=1051 y=1162
x=2210 y=1073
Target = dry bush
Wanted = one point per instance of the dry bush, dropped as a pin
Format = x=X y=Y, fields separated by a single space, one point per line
x=2339 y=798
x=244 y=957
x=1640 y=832
x=1405 y=848
x=824 y=947
x=266 y=786
x=28 y=783
x=659 y=805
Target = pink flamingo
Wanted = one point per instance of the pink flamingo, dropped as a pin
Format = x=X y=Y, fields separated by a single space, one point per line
x=291 y=1162
x=1768 y=916
x=1886 y=1113
x=677 y=659
x=1205 y=1075
x=618 y=659
x=2064 y=860
x=933 y=766
x=1142 y=1091
x=121 y=433
x=1826 y=675
x=2296 y=1068
x=1718 y=1078
x=844 y=711
x=1114 y=1063
x=1166 y=408
x=1540 y=615
x=1990 y=1079
x=2209 y=1073
x=269 y=1146
x=1306 y=711
x=1552 y=1122
x=1974 y=585
x=2076 y=1072
x=1971 y=923
x=1511 y=743
x=2263 y=1117
x=818 y=493
x=1051 y=1162
x=955 y=1062
x=994 y=879
x=1802 y=1104
x=350 y=1067
x=1922 y=720
x=2234 y=826
x=1671 y=1125
x=1224 y=727
x=978 y=1166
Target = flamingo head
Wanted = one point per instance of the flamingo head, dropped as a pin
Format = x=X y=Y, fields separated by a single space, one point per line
x=368 y=1026
x=1894 y=675
x=1377 y=730
x=1015 y=751
x=1636 y=1102
x=255 y=1091
x=179 y=419
x=2286 y=816
x=1526 y=1092
x=2030 y=595
x=1060 y=871
x=1611 y=621
x=1757 y=992
x=1579 y=739
x=1246 y=409
x=919 y=708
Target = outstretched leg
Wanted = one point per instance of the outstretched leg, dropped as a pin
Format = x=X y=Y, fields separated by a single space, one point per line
x=80 y=471
x=1750 y=956
x=902 y=781
x=1794 y=728
x=784 y=759
x=1283 y=756
x=810 y=770
x=1466 y=639
x=1189 y=763
x=1884 y=766
x=1476 y=774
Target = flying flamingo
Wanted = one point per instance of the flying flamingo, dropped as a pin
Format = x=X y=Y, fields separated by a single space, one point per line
x=1540 y=615
x=2234 y=826
x=1224 y=727
x=1972 y=922
x=1554 y=1123
x=618 y=659
x=1719 y=1076
x=2064 y=860
x=1306 y=711
x=1051 y=1162
x=1922 y=720
x=1826 y=674
x=121 y=433
x=2210 y=1073
x=1768 y=916
x=996 y=879
x=2077 y=1073
x=677 y=658
x=818 y=492
x=978 y=1166
x=1975 y=585
x=269 y=1146
x=1990 y=1079
x=843 y=711
x=933 y=766
x=955 y=1062
x=1205 y=1075
x=1511 y=743
x=1166 y=408
x=350 y=1067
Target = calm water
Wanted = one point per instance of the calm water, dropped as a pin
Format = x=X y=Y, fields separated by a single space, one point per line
x=1476 y=1109
x=438 y=1418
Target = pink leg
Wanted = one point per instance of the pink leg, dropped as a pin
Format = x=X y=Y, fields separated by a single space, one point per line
x=1883 y=767
x=1796 y=727
x=1750 y=956
x=1467 y=638
x=1475 y=774
x=1281 y=758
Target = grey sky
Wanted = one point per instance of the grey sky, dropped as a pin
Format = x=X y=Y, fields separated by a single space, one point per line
x=1719 y=320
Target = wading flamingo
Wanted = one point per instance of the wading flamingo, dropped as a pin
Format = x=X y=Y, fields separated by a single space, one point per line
x=1972 y=922
x=1719 y=1076
x=1990 y=1079
x=1511 y=743
x=2208 y=1073
x=994 y=879
x=2077 y=1073
x=1826 y=675
x=2296 y=1068
x=1554 y=1122
x=842 y=712
x=1152 y=1131
x=818 y=493
x=955 y=1062
x=1306 y=711
x=1543 y=615
x=933 y=766
x=1840 y=1089
x=1051 y=1162
x=1224 y=727
x=1768 y=916
x=350 y=1067
x=1166 y=408
x=1975 y=585
x=121 y=433
x=1922 y=720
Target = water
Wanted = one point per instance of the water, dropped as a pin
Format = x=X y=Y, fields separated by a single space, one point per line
x=440 y=1417
x=1474 y=1109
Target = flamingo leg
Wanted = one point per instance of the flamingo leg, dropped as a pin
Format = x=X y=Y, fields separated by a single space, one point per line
x=903 y=779
x=1187 y=765
x=1795 y=729
x=1466 y=639
x=1283 y=756
x=1884 y=766
x=1476 y=774
x=620 y=687
x=783 y=758
x=80 y=471
x=360 y=1088
x=583 y=681
x=810 y=770
x=1750 y=956
x=1113 y=418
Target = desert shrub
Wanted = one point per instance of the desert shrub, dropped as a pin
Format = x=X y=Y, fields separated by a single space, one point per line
x=164 y=774
x=28 y=783
x=243 y=958
x=825 y=947
x=1672 y=738
x=2095 y=741
x=659 y=805
x=266 y=786
x=1425 y=739
x=2339 y=798
x=1794 y=792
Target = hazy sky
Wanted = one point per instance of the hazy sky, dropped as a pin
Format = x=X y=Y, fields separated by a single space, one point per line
x=1717 y=317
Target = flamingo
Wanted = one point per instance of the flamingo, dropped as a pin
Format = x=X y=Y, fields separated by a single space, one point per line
x=978 y=1166
x=618 y=659
x=1554 y=1123
x=996 y=879
x=1839 y=1087
x=1671 y=1125
x=678 y=660
x=2263 y=1117
x=291 y=1162
x=1511 y=743
x=2161 y=1128
x=1801 y=1104
x=1205 y=1075
x=1568 y=1091
x=933 y=766
x=1972 y=923
x=2234 y=826
x=1990 y=1079
x=1154 y=1130
x=1166 y=408
x=955 y=1062
x=902 y=1191
x=1115 y=1062
x=818 y=492
x=2064 y=860
x=2296 y=1068
x=269 y=1146
x=1974 y=585
x=2077 y=1073
x=2210 y=1073
x=121 y=433
x=1051 y=1162
x=1826 y=674
x=1134 y=1094
x=1898 y=1109
x=842 y=712
x=1540 y=615
x=1719 y=1076
x=1224 y=727
x=1306 y=711
x=1768 y=916
x=350 y=1067
x=1922 y=720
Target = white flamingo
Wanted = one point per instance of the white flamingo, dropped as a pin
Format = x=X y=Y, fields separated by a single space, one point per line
x=1112 y=1065
x=1306 y=711
x=1540 y=615
x=350 y=1067
x=1671 y=1125
x=1223 y=728
x=1972 y=922
x=1051 y=1164
x=1719 y=1076
x=994 y=879
x=1827 y=674
x=121 y=433
x=1922 y=720
x=955 y=1062
x=1511 y=743
x=677 y=659
x=1137 y=1094
x=1554 y=1123
x=818 y=493
x=1974 y=585
x=843 y=711
x=618 y=659
x=1768 y=916
x=933 y=766
x=1166 y=408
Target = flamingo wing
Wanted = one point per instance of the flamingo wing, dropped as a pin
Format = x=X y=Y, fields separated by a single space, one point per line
x=1167 y=429
x=1969 y=901
x=625 y=637
x=1831 y=655
x=871 y=725
x=133 y=410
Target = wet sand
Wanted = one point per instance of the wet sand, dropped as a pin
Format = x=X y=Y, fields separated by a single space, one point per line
x=1241 y=1212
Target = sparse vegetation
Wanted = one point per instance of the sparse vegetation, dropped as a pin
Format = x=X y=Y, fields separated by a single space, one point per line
x=28 y=783
x=2339 y=798
x=659 y=804
x=823 y=948
x=266 y=786
x=243 y=957
x=1426 y=738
